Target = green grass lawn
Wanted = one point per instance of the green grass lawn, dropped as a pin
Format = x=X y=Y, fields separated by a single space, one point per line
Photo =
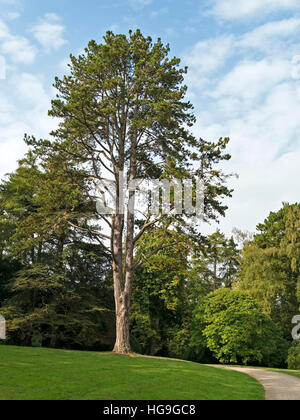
x=287 y=371
x=41 y=374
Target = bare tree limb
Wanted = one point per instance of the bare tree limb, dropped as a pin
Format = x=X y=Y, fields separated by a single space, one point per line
x=145 y=227
x=89 y=231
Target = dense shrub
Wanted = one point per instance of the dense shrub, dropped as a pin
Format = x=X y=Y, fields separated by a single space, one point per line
x=178 y=343
x=233 y=327
x=144 y=338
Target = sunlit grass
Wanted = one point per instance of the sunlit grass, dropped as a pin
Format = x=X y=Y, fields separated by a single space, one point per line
x=40 y=374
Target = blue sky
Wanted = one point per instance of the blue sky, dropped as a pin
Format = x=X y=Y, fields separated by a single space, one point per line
x=244 y=79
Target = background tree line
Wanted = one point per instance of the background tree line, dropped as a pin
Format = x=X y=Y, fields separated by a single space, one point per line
x=56 y=283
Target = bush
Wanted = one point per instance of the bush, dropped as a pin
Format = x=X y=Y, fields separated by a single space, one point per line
x=37 y=339
x=178 y=343
x=233 y=327
x=143 y=337
x=294 y=356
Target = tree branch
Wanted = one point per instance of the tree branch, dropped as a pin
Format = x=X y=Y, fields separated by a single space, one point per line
x=89 y=231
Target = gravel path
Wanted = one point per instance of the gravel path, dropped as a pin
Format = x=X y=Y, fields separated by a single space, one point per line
x=278 y=386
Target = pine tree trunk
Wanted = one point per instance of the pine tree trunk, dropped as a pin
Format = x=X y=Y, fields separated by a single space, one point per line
x=123 y=265
x=122 y=290
x=122 y=345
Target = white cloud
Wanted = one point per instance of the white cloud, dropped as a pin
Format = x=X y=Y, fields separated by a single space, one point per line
x=207 y=57
x=233 y=9
x=49 y=32
x=24 y=104
x=30 y=89
x=12 y=15
x=10 y=9
x=18 y=48
x=250 y=80
x=271 y=35
x=12 y=148
x=251 y=96
x=265 y=148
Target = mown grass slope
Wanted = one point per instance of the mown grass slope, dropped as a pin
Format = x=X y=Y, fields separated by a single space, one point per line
x=46 y=374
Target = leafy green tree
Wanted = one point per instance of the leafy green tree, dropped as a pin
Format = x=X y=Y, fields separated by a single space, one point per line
x=267 y=270
x=199 y=281
x=16 y=199
x=159 y=299
x=293 y=360
x=169 y=286
x=8 y=268
x=214 y=265
x=290 y=244
x=60 y=295
x=123 y=107
x=231 y=263
x=233 y=327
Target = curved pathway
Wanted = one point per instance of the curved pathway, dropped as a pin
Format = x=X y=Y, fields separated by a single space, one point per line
x=278 y=386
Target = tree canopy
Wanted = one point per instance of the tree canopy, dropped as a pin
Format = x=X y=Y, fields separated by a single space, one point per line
x=268 y=269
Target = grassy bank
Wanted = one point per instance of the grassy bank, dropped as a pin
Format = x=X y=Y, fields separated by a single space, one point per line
x=39 y=374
